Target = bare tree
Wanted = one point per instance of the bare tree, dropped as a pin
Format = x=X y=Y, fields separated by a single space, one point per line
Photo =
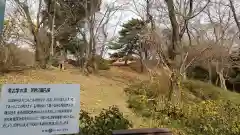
x=91 y=47
x=220 y=19
x=234 y=14
x=40 y=44
x=96 y=23
x=103 y=19
x=176 y=64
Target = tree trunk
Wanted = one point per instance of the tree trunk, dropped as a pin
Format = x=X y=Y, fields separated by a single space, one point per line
x=39 y=56
x=102 y=50
x=209 y=72
x=91 y=48
x=173 y=50
x=175 y=30
x=126 y=60
x=234 y=14
x=222 y=81
x=141 y=62
x=234 y=87
x=175 y=88
x=53 y=32
x=94 y=56
x=146 y=54
x=217 y=81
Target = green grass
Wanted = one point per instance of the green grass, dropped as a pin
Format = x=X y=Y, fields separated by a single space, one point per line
x=193 y=91
x=202 y=106
x=204 y=91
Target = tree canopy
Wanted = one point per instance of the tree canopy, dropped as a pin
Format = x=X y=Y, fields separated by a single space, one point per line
x=69 y=16
x=129 y=38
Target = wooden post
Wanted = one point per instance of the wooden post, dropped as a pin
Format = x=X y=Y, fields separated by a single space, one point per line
x=2 y=11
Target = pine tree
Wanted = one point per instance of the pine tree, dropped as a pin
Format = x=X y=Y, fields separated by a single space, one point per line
x=129 y=40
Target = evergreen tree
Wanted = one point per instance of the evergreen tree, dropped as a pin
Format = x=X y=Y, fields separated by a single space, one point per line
x=128 y=42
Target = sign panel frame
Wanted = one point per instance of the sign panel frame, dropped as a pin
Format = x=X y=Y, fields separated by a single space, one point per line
x=39 y=109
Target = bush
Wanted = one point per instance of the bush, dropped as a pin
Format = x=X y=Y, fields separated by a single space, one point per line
x=102 y=64
x=103 y=124
x=203 y=90
x=213 y=113
x=55 y=62
x=213 y=118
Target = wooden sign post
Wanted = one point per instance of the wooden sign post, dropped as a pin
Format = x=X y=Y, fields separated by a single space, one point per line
x=2 y=11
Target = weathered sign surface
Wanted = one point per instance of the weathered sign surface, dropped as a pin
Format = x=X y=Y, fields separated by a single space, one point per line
x=146 y=131
x=39 y=109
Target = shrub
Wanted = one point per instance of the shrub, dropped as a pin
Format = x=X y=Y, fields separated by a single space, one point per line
x=144 y=95
x=213 y=118
x=214 y=113
x=103 y=124
x=203 y=90
x=152 y=89
x=102 y=64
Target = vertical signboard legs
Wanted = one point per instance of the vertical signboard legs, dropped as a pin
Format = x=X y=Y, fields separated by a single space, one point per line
x=2 y=11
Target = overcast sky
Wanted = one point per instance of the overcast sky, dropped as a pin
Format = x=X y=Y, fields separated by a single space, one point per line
x=129 y=11
x=115 y=22
x=122 y=15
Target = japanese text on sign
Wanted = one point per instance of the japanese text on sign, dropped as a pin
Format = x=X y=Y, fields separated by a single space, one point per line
x=39 y=109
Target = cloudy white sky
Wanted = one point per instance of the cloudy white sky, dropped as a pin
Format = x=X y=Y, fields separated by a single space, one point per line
x=123 y=15
x=129 y=11
x=114 y=24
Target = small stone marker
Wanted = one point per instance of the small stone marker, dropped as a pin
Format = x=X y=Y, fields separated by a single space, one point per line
x=29 y=109
x=144 y=131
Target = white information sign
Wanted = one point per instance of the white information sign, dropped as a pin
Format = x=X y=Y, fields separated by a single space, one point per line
x=32 y=109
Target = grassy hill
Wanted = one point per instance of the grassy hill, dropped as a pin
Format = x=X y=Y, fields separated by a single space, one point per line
x=203 y=108
x=204 y=91
x=127 y=89
x=97 y=91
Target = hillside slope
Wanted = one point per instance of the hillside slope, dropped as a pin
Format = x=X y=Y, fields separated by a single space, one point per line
x=107 y=88
x=97 y=91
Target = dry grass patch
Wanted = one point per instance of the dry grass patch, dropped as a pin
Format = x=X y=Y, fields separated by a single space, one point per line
x=97 y=92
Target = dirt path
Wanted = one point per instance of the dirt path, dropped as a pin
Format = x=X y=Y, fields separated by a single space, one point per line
x=97 y=92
